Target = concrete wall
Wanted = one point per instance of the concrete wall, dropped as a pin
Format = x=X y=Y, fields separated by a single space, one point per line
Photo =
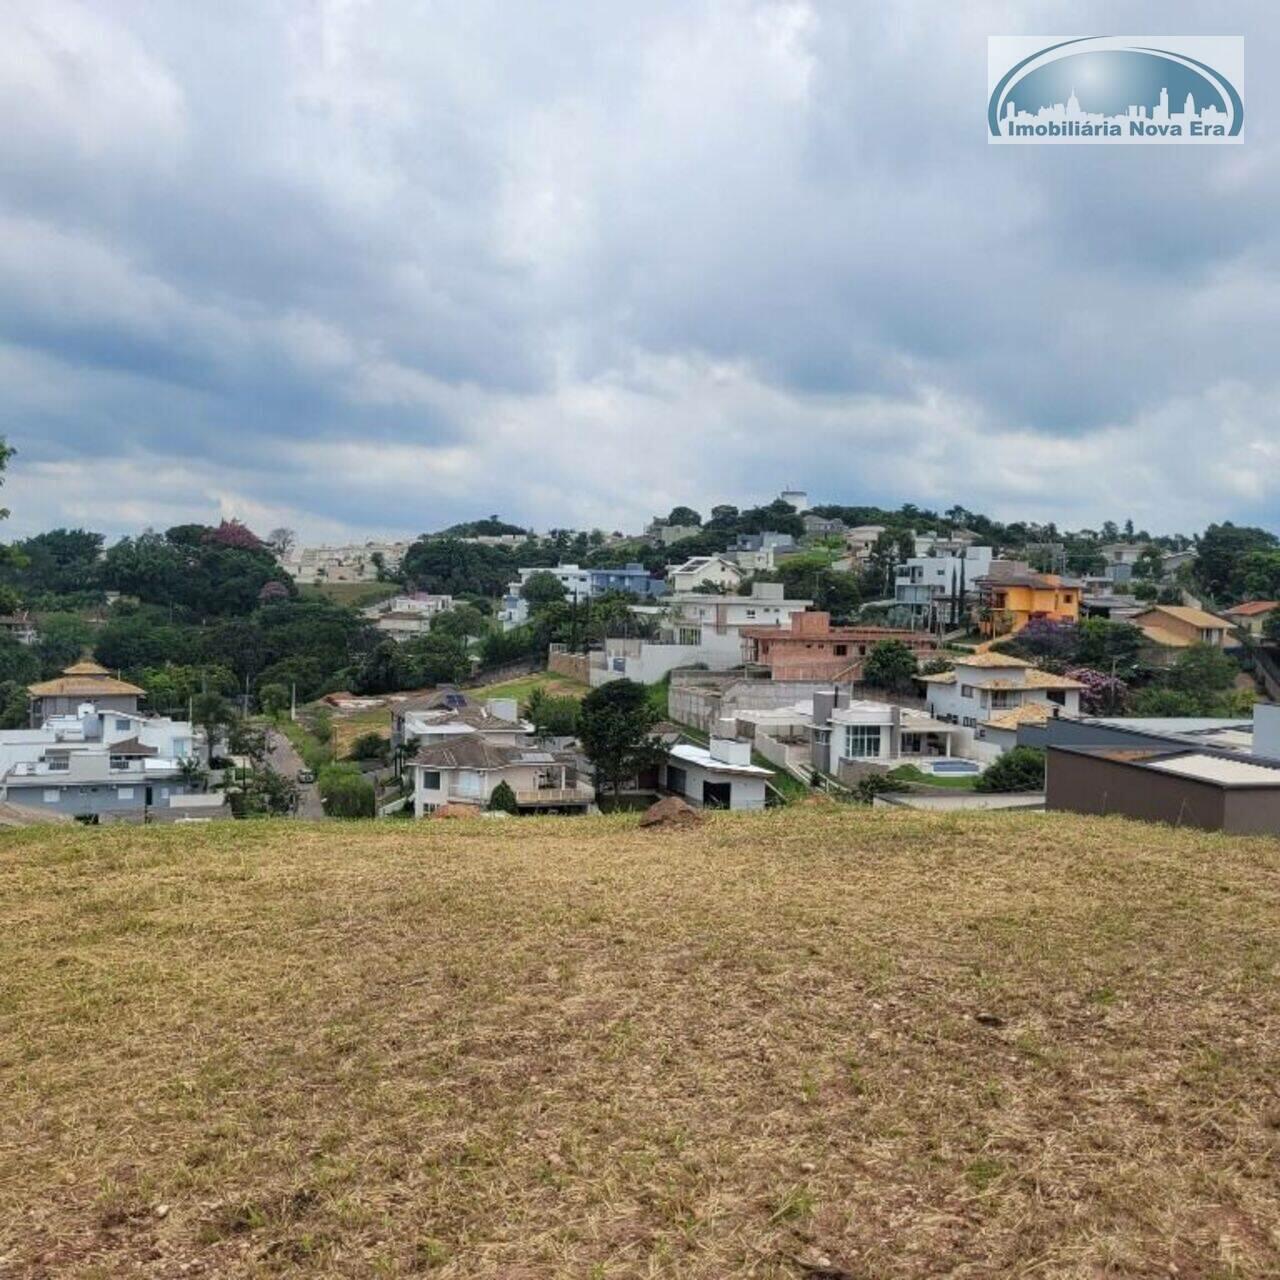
x=573 y=666
x=98 y=800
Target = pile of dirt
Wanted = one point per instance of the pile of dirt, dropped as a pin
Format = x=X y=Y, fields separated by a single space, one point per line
x=670 y=811
x=456 y=811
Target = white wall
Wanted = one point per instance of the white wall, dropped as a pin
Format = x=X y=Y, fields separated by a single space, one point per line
x=746 y=793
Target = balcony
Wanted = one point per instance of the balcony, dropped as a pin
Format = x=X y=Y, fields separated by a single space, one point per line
x=549 y=797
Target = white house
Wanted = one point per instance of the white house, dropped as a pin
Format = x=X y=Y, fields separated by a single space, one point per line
x=97 y=763
x=468 y=768
x=696 y=629
x=718 y=776
x=406 y=616
x=355 y=562
x=720 y=571
x=989 y=694
x=844 y=730
x=924 y=584
x=449 y=714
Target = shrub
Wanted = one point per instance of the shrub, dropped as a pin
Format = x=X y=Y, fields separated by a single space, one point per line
x=346 y=792
x=1021 y=769
x=370 y=746
x=503 y=799
x=876 y=784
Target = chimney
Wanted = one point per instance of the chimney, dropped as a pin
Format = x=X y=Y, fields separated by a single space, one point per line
x=824 y=701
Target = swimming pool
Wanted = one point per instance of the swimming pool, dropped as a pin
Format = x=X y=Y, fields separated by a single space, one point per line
x=950 y=766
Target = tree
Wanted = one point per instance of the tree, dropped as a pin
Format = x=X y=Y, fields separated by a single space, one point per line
x=1164 y=702
x=1271 y=628
x=1202 y=669
x=280 y=542
x=273 y=592
x=370 y=746
x=273 y=698
x=502 y=799
x=1019 y=769
x=212 y=713
x=555 y=717
x=683 y=515
x=890 y=665
x=231 y=533
x=1221 y=551
x=542 y=588
x=64 y=637
x=346 y=792
x=1102 y=695
x=614 y=724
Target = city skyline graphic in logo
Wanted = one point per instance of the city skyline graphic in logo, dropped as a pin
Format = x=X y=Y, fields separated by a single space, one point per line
x=1115 y=89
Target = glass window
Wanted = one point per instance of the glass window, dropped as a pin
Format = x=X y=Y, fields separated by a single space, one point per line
x=966 y=691
x=431 y=779
x=861 y=740
x=124 y=793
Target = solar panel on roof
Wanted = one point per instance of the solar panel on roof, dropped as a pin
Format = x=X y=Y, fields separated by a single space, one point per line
x=455 y=700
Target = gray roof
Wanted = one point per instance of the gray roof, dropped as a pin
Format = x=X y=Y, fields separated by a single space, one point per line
x=473 y=751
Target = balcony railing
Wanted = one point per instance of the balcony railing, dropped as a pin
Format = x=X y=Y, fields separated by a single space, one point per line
x=545 y=796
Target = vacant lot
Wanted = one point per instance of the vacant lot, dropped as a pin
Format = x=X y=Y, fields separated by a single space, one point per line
x=913 y=1046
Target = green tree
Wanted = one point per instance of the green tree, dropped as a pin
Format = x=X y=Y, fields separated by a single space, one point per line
x=542 y=588
x=370 y=746
x=273 y=699
x=346 y=792
x=1161 y=701
x=64 y=637
x=213 y=714
x=555 y=717
x=1220 y=553
x=1019 y=769
x=614 y=725
x=1202 y=670
x=683 y=515
x=890 y=665
x=1271 y=628
x=503 y=800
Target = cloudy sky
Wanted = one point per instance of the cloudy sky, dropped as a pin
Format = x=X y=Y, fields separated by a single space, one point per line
x=371 y=266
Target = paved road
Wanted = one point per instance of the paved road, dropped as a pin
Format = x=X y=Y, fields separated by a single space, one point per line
x=284 y=759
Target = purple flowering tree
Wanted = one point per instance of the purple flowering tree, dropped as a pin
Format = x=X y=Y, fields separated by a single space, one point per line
x=1102 y=695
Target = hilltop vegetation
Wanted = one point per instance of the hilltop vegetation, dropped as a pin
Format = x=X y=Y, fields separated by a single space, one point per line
x=912 y=1046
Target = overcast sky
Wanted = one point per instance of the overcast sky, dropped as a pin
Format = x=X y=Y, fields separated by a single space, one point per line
x=371 y=266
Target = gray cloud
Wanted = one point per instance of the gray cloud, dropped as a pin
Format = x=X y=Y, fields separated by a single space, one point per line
x=374 y=265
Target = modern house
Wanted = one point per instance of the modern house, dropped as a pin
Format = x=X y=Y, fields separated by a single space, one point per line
x=697 y=571
x=984 y=688
x=1171 y=627
x=448 y=714
x=846 y=732
x=1013 y=594
x=96 y=764
x=696 y=629
x=717 y=776
x=468 y=768
x=1251 y=616
x=80 y=683
x=761 y=552
x=810 y=648
x=581 y=584
x=930 y=590
x=406 y=616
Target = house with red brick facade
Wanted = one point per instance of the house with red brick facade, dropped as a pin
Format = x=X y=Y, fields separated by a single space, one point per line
x=810 y=648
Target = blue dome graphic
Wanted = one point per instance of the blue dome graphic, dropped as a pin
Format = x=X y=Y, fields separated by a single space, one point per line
x=1114 y=83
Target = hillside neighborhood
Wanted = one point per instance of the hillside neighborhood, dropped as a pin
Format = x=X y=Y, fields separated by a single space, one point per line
x=741 y=661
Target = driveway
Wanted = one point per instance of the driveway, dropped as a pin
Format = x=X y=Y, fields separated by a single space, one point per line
x=284 y=759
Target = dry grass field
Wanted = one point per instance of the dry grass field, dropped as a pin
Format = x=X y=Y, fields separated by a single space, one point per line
x=817 y=1042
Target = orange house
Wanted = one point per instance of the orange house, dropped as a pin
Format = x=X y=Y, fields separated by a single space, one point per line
x=812 y=649
x=1008 y=603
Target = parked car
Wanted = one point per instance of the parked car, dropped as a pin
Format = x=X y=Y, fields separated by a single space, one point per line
x=305 y=775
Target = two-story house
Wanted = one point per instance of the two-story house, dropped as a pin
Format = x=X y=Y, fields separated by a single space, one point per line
x=929 y=590
x=1013 y=594
x=987 y=694
x=82 y=682
x=696 y=572
x=810 y=648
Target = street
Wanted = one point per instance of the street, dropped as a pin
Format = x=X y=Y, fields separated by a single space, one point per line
x=284 y=759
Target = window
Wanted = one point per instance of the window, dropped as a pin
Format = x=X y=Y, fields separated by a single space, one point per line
x=431 y=779
x=51 y=795
x=122 y=726
x=119 y=762
x=861 y=740
x=1058 y=696
x=58 y=764
x=124 y=793
x=968 y=722
x=966 y=691
x=841 y=650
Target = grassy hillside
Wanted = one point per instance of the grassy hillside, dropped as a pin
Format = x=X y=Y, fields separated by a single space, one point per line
x=357 y=595
x=914 y=1046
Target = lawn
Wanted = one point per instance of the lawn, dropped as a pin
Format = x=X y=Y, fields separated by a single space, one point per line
x=554 y=686
x=912 y=1045
x=960 y=782
x=356 y=595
